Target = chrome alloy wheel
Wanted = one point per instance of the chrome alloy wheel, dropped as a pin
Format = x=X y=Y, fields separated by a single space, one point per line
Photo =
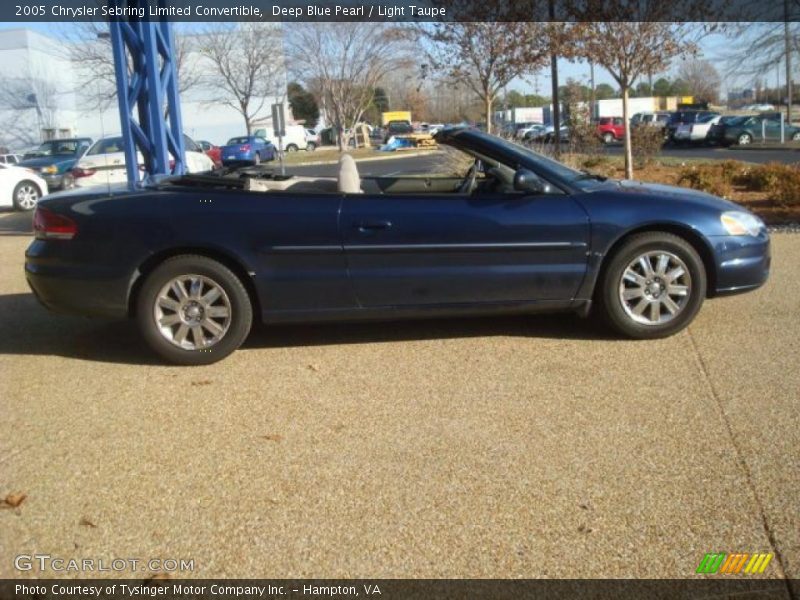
x=192 y=312
x=655 y=287
x=27 y=196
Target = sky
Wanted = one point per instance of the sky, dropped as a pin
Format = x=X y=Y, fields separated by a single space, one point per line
x=712 y=48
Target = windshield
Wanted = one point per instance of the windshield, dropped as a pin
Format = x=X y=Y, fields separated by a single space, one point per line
x=706 y=119
x=539 y=160
x=65 y=147
x=239 y=140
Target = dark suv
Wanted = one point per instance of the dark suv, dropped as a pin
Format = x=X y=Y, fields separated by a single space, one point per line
x=681 y=117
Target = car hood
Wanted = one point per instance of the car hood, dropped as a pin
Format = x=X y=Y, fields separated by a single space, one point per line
x=663 y=191
x=46 y=161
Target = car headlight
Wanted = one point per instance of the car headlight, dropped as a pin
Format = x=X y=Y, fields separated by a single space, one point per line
x=741 y=223
x=52 y=169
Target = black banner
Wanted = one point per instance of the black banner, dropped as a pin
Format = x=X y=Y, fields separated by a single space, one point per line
x=402 y=10
x=738 y=588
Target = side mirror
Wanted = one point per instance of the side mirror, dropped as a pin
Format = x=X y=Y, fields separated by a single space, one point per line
x=528 y=181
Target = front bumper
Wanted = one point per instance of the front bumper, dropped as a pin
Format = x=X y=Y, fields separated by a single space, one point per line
x=742 y=262
x=55 y=181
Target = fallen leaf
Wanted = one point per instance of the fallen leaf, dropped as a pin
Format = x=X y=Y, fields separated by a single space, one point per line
x=273 y=437
x=313 y=367
x=87 y=522
x=15 y=499
x=202 y=382
x=159 y=576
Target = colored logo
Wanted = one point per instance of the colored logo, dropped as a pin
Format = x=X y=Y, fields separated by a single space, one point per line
x=731 y=564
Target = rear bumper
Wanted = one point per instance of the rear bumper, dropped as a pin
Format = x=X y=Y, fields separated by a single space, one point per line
x=75 y=289
x=743 y=263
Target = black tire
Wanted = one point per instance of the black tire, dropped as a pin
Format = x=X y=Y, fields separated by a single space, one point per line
x=23 y=202
x=311 y=146
x=609 y=289
x=67 y=182
x=240 y=309
x=744 y=139
x=796 y=136
x=608 y=138
x=292 y=148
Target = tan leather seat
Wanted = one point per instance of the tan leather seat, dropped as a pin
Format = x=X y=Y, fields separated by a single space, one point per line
x=349 y=181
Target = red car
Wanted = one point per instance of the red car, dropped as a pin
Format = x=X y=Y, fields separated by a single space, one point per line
x=213 y=152
x=611 y=129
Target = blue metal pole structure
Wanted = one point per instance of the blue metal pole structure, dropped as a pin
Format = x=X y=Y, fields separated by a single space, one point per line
x=147 y=81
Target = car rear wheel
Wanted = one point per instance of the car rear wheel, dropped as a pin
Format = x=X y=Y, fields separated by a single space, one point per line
x=653 y=286
x=311 y=146
x=193 y=310
x=745 y=139
x=26 y=195
x=608 y=138
x=292 y=148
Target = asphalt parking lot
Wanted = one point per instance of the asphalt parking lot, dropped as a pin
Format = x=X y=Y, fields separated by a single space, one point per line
x=491 y=448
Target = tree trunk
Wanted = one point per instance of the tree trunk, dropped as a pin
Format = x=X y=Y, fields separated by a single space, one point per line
x=628 y=149
x=488 y=112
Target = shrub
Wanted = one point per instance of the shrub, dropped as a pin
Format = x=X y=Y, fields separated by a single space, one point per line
x=706 y=178
x=763 y=178
x=646 y=143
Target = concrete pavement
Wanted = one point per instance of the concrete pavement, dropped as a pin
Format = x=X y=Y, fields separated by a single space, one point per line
x=511 y=447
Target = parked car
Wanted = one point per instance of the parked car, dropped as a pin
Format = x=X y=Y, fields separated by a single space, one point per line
x=247 y=149
x=684 y=117
x=518 y=231
x=213 y=152
x=760 y=127
x=20 y=187
x=547 y=135
x=294 y=140
x=55 y=160
x=397 y=128
x=518 y=130
x=759 y=107
x=697 y=132
x=10 y=159
x=534 y=132
x=313 y=140
x=610 y=129
x=716 y=134
x=104 y=163
x=650 y=119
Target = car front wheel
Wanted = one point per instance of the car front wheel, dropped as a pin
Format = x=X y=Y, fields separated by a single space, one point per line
x=193 y=310
x=796 y=136
x=653 y=286
x=608 y=138
x=745 y=139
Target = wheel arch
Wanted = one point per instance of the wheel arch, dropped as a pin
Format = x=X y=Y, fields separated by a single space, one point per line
x=230 y=261
x=692 y=236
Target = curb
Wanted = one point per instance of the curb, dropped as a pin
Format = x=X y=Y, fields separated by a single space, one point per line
x=393 y=156
x=764 y=148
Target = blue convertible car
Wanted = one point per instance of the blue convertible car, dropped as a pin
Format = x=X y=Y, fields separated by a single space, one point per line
x=195 y=258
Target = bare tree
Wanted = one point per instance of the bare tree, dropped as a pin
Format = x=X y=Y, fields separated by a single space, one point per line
x=629 y=50
x=245 y=67
x=27 y=105
x=88 y=46
x=486 y=56
x=344 y=63
x=701 y=77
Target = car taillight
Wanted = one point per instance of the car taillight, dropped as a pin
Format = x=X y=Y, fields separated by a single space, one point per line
x=48 y=225
x=245 y=148
x=82 y=172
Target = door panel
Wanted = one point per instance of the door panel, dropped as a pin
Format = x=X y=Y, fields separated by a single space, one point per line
x=407 y=249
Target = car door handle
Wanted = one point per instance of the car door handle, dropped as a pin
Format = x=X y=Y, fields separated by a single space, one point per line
x=365 y=226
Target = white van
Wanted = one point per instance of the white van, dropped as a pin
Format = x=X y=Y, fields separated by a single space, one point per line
x=294 y=140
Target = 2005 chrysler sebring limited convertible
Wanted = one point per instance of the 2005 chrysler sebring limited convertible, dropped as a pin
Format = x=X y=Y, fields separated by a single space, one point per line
x=193 y=258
